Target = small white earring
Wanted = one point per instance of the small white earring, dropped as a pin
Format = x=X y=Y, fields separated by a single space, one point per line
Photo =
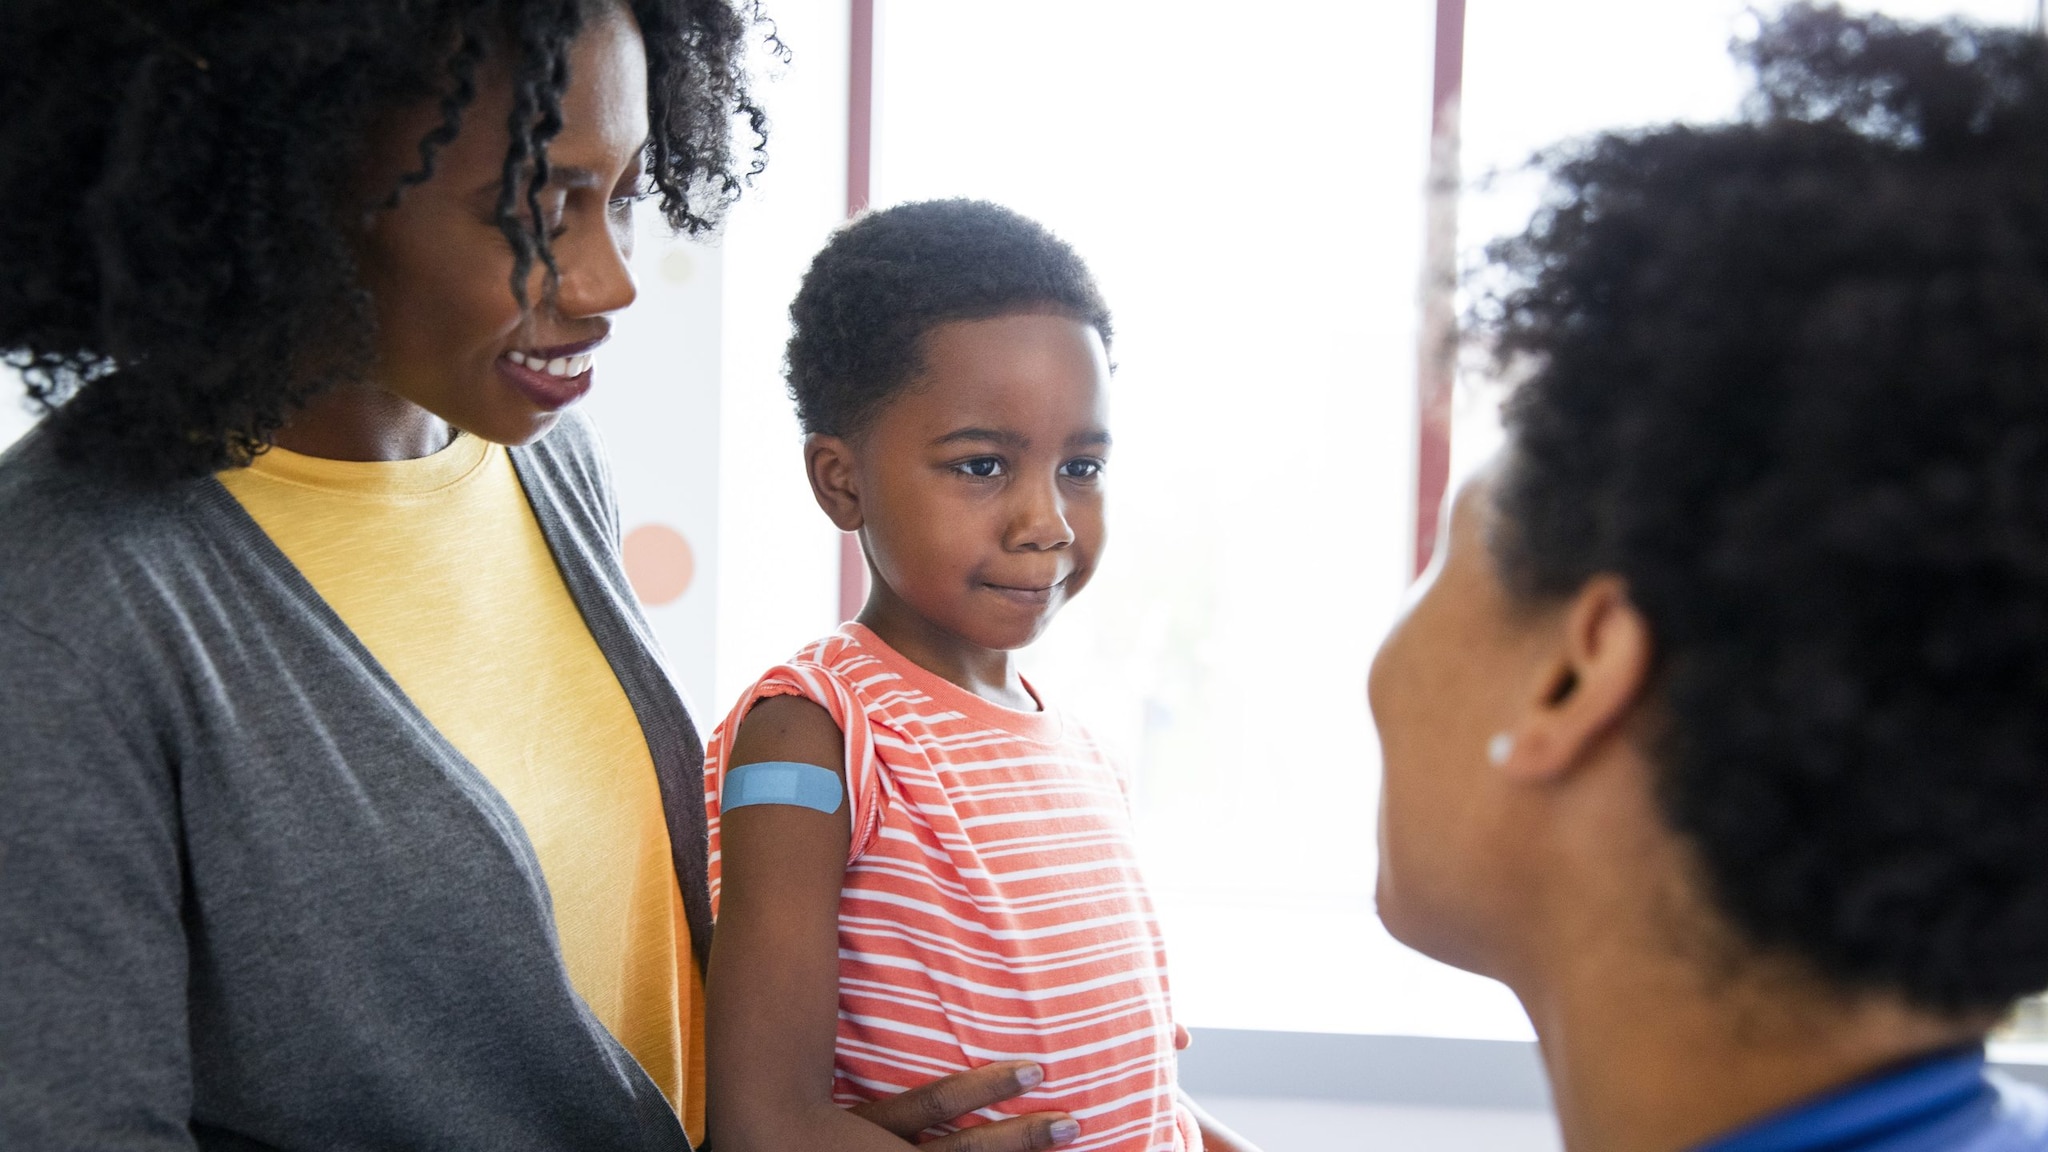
x=1500 y=748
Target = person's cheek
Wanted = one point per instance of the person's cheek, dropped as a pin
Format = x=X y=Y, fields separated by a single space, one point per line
x=1399 y=711
x=1089 y=545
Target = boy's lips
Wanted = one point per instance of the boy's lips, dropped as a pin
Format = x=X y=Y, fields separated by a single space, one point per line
x=1027 y=593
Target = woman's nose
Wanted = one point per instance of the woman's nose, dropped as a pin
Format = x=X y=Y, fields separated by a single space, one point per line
x=597 y=279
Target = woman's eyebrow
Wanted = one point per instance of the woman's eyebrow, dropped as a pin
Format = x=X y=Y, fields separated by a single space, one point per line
x=559 y=176
x=574 y=176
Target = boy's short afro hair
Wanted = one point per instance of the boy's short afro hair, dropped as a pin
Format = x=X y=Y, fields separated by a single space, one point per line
x=1791 y=384
x=889 y=277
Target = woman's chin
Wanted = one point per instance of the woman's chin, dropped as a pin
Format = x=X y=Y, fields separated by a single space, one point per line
x=1393 y=911
x=512 y=428
x=1424 y=925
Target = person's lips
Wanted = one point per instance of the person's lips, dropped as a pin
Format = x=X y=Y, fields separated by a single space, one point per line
x=1026 y=593
x=551 y=377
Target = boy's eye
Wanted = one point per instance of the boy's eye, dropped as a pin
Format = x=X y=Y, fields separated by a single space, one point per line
x=1085 y=469
x=981 y=467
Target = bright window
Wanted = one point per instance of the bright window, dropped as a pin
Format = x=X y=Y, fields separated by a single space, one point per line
x=1251 y=199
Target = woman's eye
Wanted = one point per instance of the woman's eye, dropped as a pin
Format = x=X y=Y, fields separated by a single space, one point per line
x=1081 y=469
x=625 y=196
x=981 y=467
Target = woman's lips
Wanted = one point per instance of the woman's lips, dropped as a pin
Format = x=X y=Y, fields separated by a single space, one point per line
x=547 y=390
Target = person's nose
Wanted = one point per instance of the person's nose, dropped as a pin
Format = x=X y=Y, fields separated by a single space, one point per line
x=1038 y=520
x=597 y=278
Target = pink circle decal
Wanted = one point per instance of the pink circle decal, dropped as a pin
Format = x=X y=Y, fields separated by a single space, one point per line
x=659 y=563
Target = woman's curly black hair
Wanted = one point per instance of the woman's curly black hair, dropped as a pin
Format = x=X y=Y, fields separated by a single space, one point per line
x=883 y=281
x=175 y=179
x=1790 y=381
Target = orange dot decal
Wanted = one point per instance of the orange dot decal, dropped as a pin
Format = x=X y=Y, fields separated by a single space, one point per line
x=660 y=564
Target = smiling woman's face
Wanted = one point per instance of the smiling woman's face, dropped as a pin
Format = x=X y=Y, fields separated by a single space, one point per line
x=450 y=336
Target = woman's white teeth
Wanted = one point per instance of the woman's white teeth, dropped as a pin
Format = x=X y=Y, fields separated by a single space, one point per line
x=569 y=366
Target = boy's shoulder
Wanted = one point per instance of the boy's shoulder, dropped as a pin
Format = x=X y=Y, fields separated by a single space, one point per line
x=836 y=671
x=840 y=654
x=852 y=670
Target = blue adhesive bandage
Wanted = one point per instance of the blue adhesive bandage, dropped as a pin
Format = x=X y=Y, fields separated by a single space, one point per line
x=782 y=782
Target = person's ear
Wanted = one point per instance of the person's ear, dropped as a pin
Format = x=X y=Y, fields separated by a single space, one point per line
x=1585 y=689
x=829 y=462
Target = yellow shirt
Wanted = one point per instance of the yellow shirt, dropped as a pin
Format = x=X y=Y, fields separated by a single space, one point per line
x=439 y=568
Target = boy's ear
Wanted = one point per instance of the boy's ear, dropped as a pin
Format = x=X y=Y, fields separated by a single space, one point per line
x=828 y=461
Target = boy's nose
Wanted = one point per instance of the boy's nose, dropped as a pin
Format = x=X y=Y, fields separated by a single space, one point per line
x=1040 y=523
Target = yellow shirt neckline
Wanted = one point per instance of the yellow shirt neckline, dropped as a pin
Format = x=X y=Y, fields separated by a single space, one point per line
x=463 y=459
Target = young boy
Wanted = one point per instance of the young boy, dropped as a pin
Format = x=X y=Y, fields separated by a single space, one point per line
x=922 y=866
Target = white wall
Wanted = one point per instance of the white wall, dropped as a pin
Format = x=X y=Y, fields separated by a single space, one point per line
x=656 y=400
x=779 y=564
x=1280 y=1125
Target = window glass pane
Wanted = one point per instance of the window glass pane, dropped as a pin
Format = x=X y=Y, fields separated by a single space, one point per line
x=1538 y=74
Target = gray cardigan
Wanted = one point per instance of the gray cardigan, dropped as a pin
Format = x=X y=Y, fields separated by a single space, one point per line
x=249 y=897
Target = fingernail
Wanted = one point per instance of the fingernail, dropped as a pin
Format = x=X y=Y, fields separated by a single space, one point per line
x=1031 y=1076
x=1064 y=1131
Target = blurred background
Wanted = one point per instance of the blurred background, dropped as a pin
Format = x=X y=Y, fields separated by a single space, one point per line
x=1251 y=186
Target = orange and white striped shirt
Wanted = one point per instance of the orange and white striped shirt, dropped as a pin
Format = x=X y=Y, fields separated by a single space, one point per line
x=993 y=908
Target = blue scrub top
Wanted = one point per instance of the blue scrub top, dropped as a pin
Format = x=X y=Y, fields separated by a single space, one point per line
x=1946 y=1103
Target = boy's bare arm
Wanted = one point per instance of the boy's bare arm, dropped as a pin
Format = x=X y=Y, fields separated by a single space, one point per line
x=773 y=990
x=772 y=993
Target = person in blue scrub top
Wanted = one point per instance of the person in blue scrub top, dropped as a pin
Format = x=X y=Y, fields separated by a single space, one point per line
x=1719 y=731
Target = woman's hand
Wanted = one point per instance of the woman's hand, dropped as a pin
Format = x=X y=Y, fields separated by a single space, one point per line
x=945 y=1100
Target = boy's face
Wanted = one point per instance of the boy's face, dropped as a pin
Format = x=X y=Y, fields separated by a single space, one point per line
x=981 y=482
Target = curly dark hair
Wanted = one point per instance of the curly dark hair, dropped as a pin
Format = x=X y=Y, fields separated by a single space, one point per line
x=1790 y=382
x=175 y=273
x=886 y=279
